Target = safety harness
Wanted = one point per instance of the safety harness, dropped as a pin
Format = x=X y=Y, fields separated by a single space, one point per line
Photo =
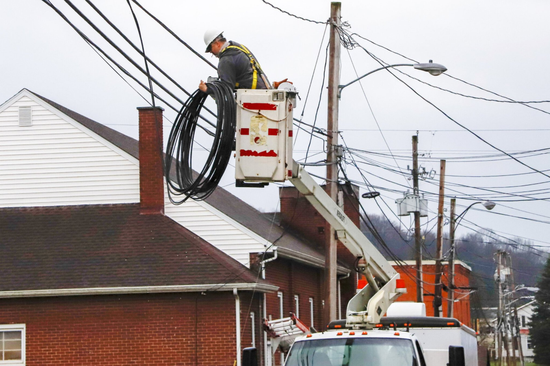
x=253 y=62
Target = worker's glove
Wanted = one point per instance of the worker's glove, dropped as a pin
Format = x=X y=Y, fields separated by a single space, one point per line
x=277 y=83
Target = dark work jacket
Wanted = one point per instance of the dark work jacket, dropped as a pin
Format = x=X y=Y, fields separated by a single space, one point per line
x=235 y=69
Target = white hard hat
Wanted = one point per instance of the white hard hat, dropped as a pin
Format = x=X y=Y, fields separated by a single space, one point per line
x=210 y=35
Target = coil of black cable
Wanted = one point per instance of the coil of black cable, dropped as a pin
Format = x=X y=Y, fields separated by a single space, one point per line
x=186 y=183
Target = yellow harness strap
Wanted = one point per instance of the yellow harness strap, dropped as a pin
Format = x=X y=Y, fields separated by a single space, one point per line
x=255 y=65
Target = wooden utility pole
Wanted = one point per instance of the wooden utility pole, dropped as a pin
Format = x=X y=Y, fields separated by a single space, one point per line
x=509 y=311
x=439 y=251
x=498 y=331
x=417 y=233
x=331 y=294
x=450 y=292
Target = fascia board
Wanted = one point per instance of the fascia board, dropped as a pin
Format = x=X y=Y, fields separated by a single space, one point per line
x=138 y=290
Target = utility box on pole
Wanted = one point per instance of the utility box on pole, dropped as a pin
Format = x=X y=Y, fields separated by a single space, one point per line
x=412 y=203
x=264 y=135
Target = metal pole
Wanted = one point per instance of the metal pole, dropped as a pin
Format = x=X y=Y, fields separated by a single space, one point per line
x=332 y=167
x=417 y=233
x=439 y=242
x=450 y=294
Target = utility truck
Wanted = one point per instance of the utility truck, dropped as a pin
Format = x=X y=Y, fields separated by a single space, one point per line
x=263 y=155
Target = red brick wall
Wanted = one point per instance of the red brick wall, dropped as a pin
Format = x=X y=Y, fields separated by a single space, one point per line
x=461 y=310
x=159 y=329
x=294 y=279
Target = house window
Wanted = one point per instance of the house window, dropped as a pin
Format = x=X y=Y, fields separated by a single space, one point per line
x=523 y=321
x=311 y=313
x=12 y=344
x=529 y=344
x=25 y=116
x=280 y=296
x=297 y=305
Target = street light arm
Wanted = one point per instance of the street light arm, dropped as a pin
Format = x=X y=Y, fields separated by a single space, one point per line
x=341 y=87
x=455 y=221
x=461 y=216
x=489 y=205
x=430 y=67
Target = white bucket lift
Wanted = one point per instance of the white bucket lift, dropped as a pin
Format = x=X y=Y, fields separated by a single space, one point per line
x=264 y=135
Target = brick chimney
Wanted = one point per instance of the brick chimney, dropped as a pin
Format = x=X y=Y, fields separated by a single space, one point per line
x=151 y=172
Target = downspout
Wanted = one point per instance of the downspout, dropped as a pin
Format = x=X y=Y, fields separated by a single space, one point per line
x=238 y=325
x=262 y=263
x=340 y=294
x=267 y=354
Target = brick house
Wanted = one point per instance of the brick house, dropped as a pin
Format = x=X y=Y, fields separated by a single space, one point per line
x=525 y=312
x=104 y=270
x=461 y=307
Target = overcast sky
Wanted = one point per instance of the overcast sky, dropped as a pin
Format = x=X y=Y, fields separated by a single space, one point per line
x=502 y=46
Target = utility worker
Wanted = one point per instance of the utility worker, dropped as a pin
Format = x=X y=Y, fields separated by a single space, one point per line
x=237 y=66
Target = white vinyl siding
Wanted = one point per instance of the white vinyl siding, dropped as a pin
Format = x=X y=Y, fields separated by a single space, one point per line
x=217 y=229
x=54 y=162
x=58 y=162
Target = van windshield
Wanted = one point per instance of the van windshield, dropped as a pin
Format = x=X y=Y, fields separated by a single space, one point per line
x=352 y=352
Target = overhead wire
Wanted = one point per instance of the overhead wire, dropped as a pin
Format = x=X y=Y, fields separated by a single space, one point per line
x=372 y=112
x=507 y=99
x=468 y=197
x=293 y=15
x=342 y=31
x=368 y=184
x=319 y=101
x=300 y=121
x=200 y=56
x=142 y=50
x=121 y=52
x=105 y=56
x=482 y=158
x=99 y=49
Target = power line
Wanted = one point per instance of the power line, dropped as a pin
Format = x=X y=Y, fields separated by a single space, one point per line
x=342 y=31
x=293 y=15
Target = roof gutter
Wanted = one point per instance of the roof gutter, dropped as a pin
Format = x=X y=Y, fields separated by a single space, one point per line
x=138 y=290
x=308 y=259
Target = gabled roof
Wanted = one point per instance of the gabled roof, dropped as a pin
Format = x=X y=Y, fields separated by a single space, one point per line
x=288 y=245
x=102 y=249
x=527 y=305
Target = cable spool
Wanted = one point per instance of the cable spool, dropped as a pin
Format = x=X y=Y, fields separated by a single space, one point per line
x=188 y=183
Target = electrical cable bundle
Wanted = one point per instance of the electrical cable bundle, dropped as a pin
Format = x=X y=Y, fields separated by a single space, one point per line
x=179 y=149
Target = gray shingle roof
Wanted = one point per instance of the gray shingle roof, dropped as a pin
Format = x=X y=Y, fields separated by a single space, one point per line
x=289 y=245
x=109 y=246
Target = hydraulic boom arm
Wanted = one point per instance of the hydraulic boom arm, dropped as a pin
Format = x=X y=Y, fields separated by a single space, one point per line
x=263 y=154
x=367 y=306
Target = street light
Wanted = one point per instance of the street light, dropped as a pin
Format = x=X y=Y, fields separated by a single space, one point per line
x=430 y=67
x=455 y=221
